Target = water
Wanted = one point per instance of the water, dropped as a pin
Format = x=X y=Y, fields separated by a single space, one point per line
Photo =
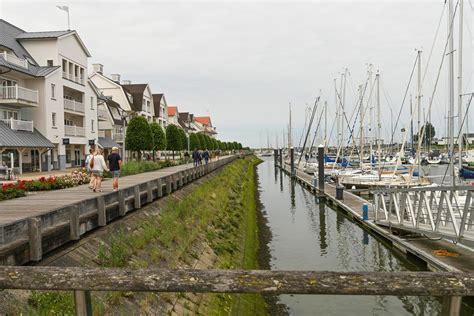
x=312 y=236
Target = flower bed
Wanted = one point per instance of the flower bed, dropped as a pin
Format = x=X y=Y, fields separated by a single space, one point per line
x=18 y=189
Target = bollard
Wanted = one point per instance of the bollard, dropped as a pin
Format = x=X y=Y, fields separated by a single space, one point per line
x=365 y=212
x=292 y=162
x=339 y=192
x=321 y=168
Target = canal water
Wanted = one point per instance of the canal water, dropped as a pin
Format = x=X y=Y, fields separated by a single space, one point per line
x=307 y=235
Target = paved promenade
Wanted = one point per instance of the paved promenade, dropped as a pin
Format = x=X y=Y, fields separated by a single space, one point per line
x=43 y=221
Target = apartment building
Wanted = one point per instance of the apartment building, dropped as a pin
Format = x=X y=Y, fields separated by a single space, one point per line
x=45 y=99
x=161 y=109
x=204 y=124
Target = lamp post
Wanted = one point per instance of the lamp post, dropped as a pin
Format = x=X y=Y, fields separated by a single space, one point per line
x=124 y=116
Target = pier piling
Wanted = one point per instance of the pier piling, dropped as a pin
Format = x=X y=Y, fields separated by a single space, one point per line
x=321 y=169
x=292 y=162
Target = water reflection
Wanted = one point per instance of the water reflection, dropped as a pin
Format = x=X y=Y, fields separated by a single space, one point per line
x=308 y=235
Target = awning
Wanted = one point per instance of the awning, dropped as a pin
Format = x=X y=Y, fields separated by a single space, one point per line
x=107 y=143
x=21 y=139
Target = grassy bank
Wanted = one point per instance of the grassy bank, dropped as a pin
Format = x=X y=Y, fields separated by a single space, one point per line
x=220 y=214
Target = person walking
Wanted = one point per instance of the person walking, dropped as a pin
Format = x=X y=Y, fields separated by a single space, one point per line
x=195 y=156
x=205 y=155
x=88 y=167
x=114 y=162
x=98 y=166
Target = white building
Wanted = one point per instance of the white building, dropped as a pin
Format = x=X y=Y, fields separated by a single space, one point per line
x=44 y=92
x=161 y=109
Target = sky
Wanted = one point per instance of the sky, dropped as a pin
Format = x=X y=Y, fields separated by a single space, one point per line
x=244 y=62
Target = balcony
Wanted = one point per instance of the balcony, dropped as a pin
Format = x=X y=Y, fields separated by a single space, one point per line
x=16 y=95
x=118 y=136
x=102 y=114
x=19 y=125
x=73 y=78
x=78 y=131
x=73 y=106
x=12 y=59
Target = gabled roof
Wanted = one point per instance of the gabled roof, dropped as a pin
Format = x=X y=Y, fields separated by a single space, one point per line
x=12 y=138
x=8 y=39
x=53 y=34
x=184 y=120
x=204 y=120
x=107 y=143
x=157 y=103
x=136 y=90
x=47 y=34
x=172 y=110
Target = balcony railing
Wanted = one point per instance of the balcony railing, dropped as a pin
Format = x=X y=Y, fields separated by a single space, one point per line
x=15 y=60
x=103 y=114
x=18 y=93
x=69 y=76
x=118 y=137
x=74 y=130
x=19 y=125
x=74 y=106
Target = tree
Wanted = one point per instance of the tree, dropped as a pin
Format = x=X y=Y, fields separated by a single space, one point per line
x=184 y=139
x=139 y=135
x=173 y=138
x=194 y=141
x=202 y=140
x=223 y=146
x=215 y=145
x=428 y=135
x=159 y=137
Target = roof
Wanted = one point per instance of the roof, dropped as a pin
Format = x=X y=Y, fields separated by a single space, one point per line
x=47 y=34
x=205 y=120
x=8 y=39
x=172 y=110
x=184 y=120
x=111 y=103
x=12 y=138
x=136 y=90
x=157 y=103
x=107 y=143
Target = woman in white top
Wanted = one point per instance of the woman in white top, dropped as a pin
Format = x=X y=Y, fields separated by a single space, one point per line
x=98 y=167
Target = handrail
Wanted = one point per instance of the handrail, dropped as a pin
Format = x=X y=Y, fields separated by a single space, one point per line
x=237 y=281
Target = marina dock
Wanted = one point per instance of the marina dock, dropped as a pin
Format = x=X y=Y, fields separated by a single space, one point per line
x=454 y=257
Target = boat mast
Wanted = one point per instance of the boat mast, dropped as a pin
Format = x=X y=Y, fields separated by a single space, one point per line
x=325 y=123
x=343 y=121
x=411 y=125
x=460 y=113
x=451 y=89
x=338 y=133
x=361 y=128
x=418 y=99
x=379 y=126
x=289 y=130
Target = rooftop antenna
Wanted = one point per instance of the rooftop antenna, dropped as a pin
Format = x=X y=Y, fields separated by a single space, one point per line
x=65 y=8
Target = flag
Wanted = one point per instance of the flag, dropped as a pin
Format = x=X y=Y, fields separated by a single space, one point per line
x=63 y=7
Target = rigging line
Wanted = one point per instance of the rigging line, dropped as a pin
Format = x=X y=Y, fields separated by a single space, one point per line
x=422 y=134
x=315 y=132
x=459 y=133
x=315 y=107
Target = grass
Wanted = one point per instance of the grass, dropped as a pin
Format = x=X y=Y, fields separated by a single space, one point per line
x=221 y=211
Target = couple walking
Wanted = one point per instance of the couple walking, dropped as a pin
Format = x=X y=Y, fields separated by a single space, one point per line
x=95 y=164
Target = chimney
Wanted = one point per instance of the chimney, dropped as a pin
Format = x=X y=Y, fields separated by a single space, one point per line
x=115 y=77
x=126 y=82
x=99 y=68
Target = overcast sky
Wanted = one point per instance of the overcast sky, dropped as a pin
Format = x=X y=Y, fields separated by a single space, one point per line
x=244 y=62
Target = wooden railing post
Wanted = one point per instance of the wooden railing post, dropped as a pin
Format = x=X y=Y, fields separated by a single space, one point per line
x=34 y=236
x=83 y=303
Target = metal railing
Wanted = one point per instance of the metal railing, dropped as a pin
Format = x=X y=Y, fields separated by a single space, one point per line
x=102 y=114
x=74 y=106
x=21 y=62
x=19 y=125
x=72 y=77
x=18 y=93
x=74 y=130
x=447 y=212
x=118 y=137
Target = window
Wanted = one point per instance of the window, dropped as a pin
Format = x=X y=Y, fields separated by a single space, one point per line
x=92 y=126
x=50 y=63
x=53 y=119
x=68 y=122
x=53 y=88
x=68 y=154
x=92 y=103
x=9 y=114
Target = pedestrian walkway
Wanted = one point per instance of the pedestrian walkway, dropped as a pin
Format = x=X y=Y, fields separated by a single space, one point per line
x=52 y=218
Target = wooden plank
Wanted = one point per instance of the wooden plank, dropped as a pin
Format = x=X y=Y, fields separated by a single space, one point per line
x=238 y=281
